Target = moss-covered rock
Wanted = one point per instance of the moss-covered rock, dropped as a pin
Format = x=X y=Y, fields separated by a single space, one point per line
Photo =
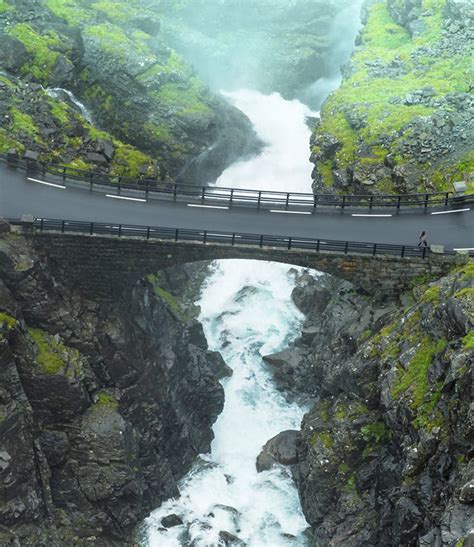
x=402 y=118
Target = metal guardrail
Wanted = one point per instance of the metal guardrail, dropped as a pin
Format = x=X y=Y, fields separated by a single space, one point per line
x=226 y=238
x=170 y=191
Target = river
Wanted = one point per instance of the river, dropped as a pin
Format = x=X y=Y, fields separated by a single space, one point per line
x=247 y=312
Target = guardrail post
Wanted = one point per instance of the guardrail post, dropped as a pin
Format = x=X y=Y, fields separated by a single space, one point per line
x=287 y=200
x=204 y=239
x=346 y=247
x=147 y=189
x=231 y=197
x=41 y=224
x=175 y=191
x=424 y=252
x=233 y=239
x=148 y=232
x=399 y=201
x=317 y=245
x=91 y=228
x=343 y=204
x=203 y=194
x=403 y=251
x=261 y=241
x=289 y=243
x=62 y=226
x=371 y=202
x=120 y=230
x=374 y=250
x=259 y=199
x=176 y=234
x=427 y=197
x=446 y=199
x=64 y=173
x=315 y=201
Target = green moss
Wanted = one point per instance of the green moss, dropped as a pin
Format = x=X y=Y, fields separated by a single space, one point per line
x=42 y=47
x=468 y=340
x=23 y=123
x=351 y=484
x=104 y=399
x=460 y=543
x=4 y=6
x=128 y=160
x=60 y=111
x=8 y=320
x=422 y=398
x=324 y=437
x=167 y=297
x=70 y=10
x=50 y=353
x=375 y=433
x=186 y=99
x=466 y=295
x=432 y=295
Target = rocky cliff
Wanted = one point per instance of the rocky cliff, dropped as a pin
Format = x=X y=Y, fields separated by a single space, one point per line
x=402 y=120
x=147 y=112
x=102 y=407
x=384 y=455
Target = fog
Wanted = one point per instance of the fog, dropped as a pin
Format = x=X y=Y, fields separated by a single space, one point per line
x=294 y=47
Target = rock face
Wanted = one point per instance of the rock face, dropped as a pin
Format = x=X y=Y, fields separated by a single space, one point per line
x=157 y=116
x=102 y=407
x=402 y=120
x=384 y=452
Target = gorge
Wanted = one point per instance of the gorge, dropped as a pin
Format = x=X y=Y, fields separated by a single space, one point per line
x=161 y=401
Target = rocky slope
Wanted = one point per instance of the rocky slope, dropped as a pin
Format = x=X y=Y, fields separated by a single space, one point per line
x=102 y=407
x=384 y=455
x=402 y=120
x=271 y=45
x=149 y=113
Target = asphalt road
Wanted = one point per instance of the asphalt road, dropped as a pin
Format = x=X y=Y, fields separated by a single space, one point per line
x=19 y=196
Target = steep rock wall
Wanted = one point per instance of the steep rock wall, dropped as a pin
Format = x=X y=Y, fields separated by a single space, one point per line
x=384 y=454
x=102 y=408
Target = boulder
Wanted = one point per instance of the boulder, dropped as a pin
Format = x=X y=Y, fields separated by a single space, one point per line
x=171 y=520
x=280 y=449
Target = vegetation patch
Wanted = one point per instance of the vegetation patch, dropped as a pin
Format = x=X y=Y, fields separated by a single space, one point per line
x=167 y=297
x=106 y=400
x=468 y=340
x=50 y=356
x=7 y=320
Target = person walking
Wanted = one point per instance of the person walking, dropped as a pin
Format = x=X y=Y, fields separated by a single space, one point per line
x=423 y=239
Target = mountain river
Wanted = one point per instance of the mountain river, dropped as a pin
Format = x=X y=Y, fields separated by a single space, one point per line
x=247 y=312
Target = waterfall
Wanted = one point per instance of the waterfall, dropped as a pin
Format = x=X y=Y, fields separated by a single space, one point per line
x=69 y=97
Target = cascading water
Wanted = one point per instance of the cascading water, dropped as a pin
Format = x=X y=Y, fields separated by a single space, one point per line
x=69 y=97
x=247 y=312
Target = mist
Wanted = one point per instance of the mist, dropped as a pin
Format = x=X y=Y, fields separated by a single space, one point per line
x=293 y=47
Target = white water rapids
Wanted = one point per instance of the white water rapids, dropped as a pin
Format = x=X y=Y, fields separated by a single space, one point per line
x=247 y=312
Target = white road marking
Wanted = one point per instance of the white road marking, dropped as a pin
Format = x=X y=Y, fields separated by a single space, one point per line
x=448 y=212
x=48 y=183
x=291 y=212
x=369 y=215
x=124 y=197
x=206 y=206
x=465 y=249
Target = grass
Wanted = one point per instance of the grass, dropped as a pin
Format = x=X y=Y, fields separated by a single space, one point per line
x=106 y=400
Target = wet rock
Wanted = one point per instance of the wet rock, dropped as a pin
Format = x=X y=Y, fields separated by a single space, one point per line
x=230 y=540
x=280 y=449
x=13 y=54
x=171 y=520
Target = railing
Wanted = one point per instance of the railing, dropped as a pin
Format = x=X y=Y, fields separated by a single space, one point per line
x=228 y=197
x=227 y=238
